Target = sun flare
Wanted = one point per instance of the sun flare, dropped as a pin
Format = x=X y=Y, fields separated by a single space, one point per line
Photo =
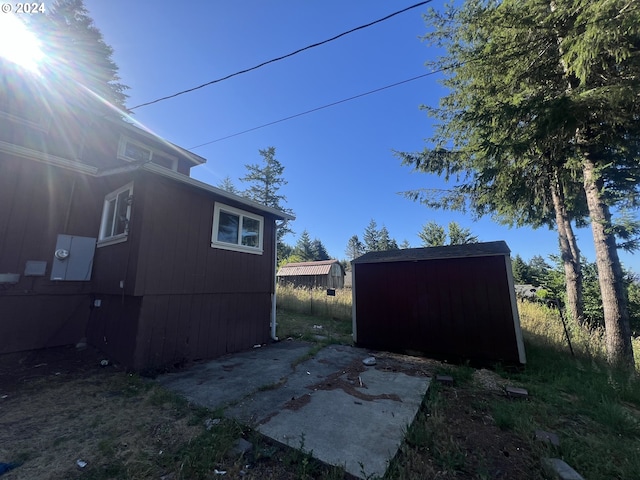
x=18 y=44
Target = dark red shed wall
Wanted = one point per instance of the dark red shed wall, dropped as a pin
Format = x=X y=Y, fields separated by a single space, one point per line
x=456 y=307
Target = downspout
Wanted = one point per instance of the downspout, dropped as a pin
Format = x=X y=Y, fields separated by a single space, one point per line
x=274 y=337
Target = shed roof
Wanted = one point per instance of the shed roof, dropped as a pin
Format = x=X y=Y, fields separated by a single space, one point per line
x=320 y=267
x=431 y=253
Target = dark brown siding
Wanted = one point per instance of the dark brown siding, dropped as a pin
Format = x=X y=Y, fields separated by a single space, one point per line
x=178 y=328
x=454 y=308
x=40 y=321
x=38 y=202
x=181 y=299
x=113 y=326
x=175 y=253
x=196 y=301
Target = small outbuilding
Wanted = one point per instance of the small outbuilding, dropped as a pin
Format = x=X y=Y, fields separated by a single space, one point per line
x=319 y=274
x=452 y=302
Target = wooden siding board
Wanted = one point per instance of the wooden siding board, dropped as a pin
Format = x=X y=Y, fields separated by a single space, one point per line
x=41 y=321
x=113 y=327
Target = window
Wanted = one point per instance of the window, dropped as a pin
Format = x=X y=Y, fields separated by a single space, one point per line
x=235 y=229
x=116 y=213
x=133 y=151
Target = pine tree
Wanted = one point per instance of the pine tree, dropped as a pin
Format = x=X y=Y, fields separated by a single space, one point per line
x=227 y=185
x=432 y=235
x=77 y=56
x=405 y=244
x=385 y=242
x=319 y=251
x=542 y=101
x=521 y=274
x=371 y=237
x=355 y=248
x=459 y=235
x=304 y=248
x=265 y=181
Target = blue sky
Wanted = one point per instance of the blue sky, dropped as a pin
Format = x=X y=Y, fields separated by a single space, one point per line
x=338 y=161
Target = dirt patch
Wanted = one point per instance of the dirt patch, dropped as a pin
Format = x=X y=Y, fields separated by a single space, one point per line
x=297 y=403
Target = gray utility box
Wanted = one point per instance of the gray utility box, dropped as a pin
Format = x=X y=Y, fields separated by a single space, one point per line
x=73 y=258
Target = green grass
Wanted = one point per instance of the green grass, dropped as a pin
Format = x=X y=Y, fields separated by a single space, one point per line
x=300 y=326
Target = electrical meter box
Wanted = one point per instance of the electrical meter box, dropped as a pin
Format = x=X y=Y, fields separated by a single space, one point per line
x=73 y=258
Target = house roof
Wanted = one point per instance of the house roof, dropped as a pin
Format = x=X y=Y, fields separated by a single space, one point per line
x=78 y=166
x=432 y=253
x=321 y=267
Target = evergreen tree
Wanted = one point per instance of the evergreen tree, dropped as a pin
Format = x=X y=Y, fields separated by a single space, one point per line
x=432 y=235
x=265 y=181
x=319 y=251
x=227 y=185
x=371 y=237
x=459 y=235
x=542 y=100
x=304 y=248
x=355 y=248
x=405 y=244
x=77 y=55
x=385 y=242
x=521 y=274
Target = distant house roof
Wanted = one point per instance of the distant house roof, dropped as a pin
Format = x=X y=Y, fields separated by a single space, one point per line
x=431 y=253
x=321 y=267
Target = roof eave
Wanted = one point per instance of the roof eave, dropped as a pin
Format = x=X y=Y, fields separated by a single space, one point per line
x=279 y=214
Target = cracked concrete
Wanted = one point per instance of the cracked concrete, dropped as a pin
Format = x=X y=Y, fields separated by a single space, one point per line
x=345 y=413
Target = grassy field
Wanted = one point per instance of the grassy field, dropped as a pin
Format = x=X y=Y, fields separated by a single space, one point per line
x=128 y=427
x=315 y=302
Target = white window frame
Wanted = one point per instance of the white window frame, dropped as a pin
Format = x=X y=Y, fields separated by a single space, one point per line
x=103 y=239
x=122 y=148
x=238 y=247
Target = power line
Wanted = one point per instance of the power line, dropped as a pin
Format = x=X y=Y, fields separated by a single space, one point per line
x=433 y=72
x=344 y=100
x=273 y=60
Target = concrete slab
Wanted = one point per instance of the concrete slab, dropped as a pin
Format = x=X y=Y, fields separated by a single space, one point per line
x=345 y=413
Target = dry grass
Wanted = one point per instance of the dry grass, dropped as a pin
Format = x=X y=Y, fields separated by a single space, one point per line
x=315 y=302
x=543 y=325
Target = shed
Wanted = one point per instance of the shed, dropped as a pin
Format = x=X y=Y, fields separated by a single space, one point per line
x=321 y=274
x=452 y=302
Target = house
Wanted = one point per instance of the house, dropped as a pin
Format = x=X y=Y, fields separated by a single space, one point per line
x=453 y=302
x=105 y=236
x=320 y=274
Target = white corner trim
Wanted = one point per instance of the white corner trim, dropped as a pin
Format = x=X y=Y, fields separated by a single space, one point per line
x=514 y=310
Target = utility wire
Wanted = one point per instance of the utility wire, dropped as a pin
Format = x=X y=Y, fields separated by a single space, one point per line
x=344 y=100
x=273 y=60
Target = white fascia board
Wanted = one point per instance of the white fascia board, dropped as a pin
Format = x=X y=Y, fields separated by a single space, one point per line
x=195 y=159
x=218 y=191
x=38 y=156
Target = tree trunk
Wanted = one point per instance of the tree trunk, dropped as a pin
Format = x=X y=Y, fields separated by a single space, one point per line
x=610 y=276
x=568 y=251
